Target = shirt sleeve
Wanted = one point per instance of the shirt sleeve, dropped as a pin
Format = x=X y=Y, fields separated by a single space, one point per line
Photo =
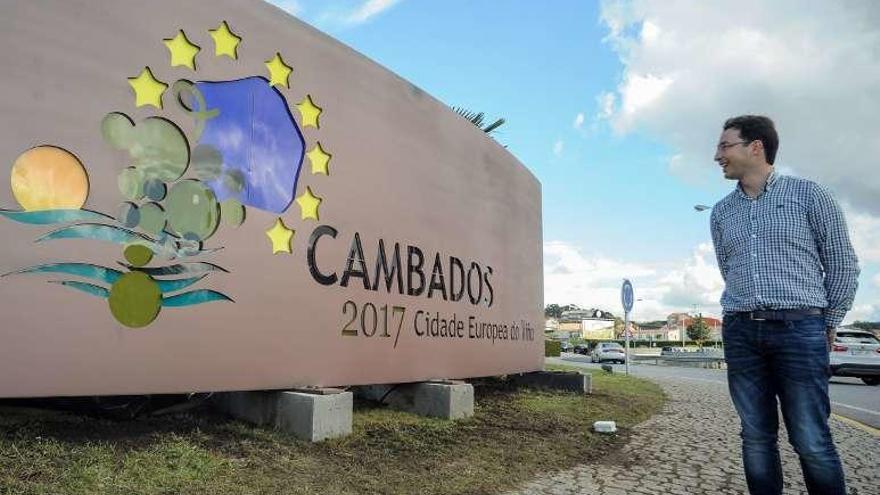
x=715 y=227
x=836 y=253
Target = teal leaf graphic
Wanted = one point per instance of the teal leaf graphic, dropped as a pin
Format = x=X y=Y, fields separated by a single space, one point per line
x=189 y=267
x=84 y=270
x=84 y=287
x=101 y=232
x=194 y=297
x=47 y=217
x=173 y=285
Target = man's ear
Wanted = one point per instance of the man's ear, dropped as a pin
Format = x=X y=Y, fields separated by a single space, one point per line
x=757 y=148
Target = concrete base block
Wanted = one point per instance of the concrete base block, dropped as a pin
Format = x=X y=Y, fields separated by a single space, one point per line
x=570 y=381
x=441 y=399
x=313 y=415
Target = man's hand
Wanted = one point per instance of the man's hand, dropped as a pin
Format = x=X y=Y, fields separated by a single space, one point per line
x=830 y=332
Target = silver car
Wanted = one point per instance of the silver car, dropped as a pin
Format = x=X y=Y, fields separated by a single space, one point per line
x=856 y=353
x=608 y=351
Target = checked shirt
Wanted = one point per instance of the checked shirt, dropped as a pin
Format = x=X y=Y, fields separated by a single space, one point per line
x=786 y=249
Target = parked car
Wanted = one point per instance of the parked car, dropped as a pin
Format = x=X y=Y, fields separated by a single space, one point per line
x=669 y=351
x=566 y=347
x=608 y=351
x=582 y=349
x=856 y=353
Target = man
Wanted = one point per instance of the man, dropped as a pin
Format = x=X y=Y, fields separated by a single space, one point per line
x=790 y=275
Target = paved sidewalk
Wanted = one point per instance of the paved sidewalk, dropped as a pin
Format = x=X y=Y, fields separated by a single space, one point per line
x=692 y=447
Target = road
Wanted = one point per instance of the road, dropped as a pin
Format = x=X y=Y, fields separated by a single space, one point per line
x=691 y=446
x=850 y=397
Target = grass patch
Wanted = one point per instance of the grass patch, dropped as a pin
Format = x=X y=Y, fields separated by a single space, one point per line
x=514 y=435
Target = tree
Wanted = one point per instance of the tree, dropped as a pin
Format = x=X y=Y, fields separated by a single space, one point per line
x=552 y=311
x=866 y=325
x=618 y=326
x=698 y=330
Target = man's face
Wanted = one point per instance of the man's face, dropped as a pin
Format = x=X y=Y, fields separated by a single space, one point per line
x=733 y=154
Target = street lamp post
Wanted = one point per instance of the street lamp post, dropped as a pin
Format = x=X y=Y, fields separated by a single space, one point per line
x=681 y=325
x=697 y=208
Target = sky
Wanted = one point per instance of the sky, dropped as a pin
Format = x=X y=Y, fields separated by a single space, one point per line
x=616 y=107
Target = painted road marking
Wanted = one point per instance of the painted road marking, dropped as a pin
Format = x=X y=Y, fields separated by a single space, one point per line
x=857 y=424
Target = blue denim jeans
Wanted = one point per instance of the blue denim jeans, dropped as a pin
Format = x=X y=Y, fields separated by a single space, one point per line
x=788 y=361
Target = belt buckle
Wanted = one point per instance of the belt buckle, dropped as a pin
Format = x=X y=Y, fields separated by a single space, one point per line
x=752 y=316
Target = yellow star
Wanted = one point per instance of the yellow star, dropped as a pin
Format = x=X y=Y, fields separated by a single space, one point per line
x=279 y=72
x=280 y=237
x=225 y=41
x=320 y=160
x=147 y=90
x=309 y=203
x=309 y=112
x=182 y=51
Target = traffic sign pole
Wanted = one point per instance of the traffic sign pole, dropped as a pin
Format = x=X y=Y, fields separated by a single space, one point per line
x=626 y=331
x=627 y=298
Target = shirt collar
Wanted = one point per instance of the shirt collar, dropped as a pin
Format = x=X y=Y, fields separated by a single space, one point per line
x=768 y=186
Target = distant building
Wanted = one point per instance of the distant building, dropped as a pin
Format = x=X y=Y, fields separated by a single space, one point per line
x=677 y=323
x=649 y=333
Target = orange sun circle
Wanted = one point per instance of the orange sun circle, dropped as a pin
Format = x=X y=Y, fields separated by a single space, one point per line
x=49 y=178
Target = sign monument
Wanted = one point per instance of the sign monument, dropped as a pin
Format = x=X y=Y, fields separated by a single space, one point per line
x=219 y=197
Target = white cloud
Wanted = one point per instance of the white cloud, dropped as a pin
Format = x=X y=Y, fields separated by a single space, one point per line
x=650 y=32
x=639 y=92
x=863 y=312
x=811 y=65
x=557 y=147
x=370 y=9
x=606 y=102
x=865 y=235
x=571 y=276
x=697 y=281
x=578 y=121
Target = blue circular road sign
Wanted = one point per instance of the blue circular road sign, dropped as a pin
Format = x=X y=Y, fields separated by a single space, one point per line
x=626 y=295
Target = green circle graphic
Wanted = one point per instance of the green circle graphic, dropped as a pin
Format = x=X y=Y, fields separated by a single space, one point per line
x=131 y=183
x=155 y=189
x=138 y=255
x=192 y=209
x=232 y=212
x=135 y=300
x=152 y=218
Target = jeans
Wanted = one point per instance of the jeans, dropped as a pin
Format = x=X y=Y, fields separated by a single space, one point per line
x=787 y=360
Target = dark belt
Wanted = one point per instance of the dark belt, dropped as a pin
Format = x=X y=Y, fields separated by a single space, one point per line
x=781 y=314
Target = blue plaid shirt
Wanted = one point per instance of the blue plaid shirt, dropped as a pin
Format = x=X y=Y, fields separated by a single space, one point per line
x=788 y=248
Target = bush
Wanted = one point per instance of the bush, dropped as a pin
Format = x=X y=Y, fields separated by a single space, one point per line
x=552 y=348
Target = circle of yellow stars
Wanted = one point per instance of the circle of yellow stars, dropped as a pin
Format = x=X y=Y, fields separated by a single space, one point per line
x=149 y=91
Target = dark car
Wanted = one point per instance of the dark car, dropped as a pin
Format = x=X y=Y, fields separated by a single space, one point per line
x=582 y=349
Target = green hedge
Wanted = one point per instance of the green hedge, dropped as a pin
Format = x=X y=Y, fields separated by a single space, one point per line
x=552 y=348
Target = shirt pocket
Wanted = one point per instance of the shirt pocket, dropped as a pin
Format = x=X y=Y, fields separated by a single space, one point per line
x=787 y=225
